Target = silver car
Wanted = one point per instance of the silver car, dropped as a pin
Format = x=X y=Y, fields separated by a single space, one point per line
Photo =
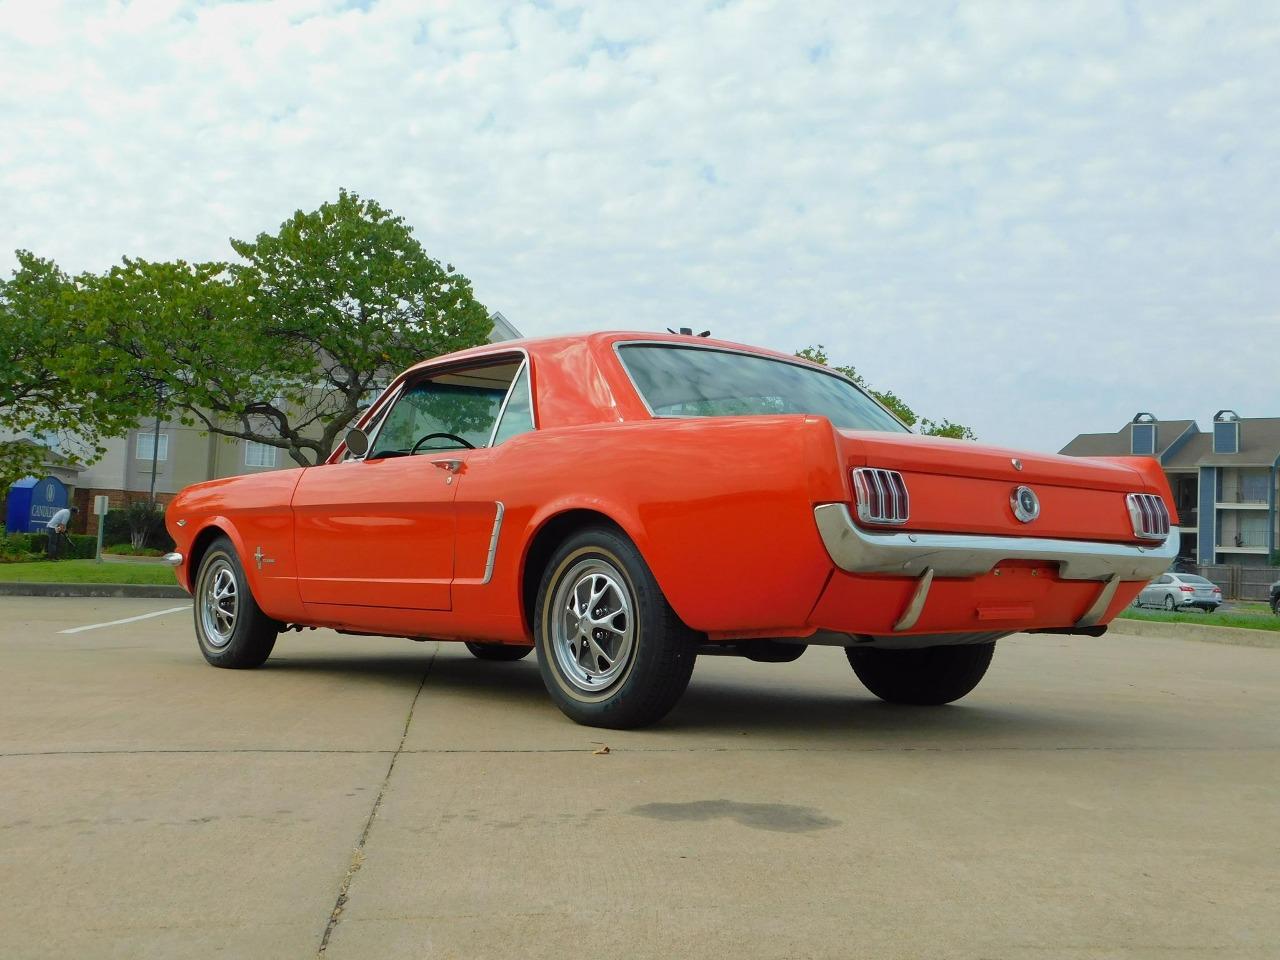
x=1177 y=591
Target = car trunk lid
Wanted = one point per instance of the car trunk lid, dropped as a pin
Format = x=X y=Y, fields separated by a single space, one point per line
x=958 y=486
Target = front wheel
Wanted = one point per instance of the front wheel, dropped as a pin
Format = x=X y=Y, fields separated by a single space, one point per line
x=502 y=652
x=231 y=628
x=611 y=651
x=927 y=676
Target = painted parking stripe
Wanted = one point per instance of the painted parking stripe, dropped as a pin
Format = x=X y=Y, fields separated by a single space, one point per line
x=116 y=623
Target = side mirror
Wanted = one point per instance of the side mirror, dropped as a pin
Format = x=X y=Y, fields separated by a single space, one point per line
x=357 y=442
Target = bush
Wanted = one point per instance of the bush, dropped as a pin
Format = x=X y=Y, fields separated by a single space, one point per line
x=80 y=547
x=129 y=550
x=117 y=528
x=16 y=548
x=75 y=546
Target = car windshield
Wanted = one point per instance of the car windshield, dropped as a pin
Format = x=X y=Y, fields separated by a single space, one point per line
x=704 y=382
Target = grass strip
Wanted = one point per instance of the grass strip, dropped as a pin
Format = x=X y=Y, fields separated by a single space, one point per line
x=1263 y=620
x=86 y=571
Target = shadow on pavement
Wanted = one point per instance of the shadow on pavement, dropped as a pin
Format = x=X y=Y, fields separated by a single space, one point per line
x=753 y=703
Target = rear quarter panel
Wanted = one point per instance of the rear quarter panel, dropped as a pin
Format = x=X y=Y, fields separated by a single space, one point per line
x=722 y=511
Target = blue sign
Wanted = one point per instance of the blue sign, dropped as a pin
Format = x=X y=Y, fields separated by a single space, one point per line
x=32 y=504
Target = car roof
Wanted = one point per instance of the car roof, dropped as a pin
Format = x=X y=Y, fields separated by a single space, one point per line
x=604 y=338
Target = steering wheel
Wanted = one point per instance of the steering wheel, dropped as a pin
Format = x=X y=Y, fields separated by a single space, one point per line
x=463 y=441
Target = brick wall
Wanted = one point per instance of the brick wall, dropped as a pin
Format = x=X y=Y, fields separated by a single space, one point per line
x=86 y=522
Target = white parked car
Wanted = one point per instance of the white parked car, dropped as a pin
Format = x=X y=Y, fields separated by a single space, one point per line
x=1176 y=591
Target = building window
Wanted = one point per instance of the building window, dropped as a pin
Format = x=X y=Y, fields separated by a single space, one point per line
x=1253 y=532
x=259 y=454
x=1253 y=486
x=146 y=447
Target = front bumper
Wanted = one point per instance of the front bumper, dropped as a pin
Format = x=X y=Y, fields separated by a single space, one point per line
x=929 y=555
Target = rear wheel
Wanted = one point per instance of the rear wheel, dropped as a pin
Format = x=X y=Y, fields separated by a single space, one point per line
x=927 y=676
x=611 y=651
x=231 y=628
x=1168 y=603
x=498 y=651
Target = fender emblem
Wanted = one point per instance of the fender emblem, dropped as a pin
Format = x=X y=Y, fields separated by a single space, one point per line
x=1017 y=464
x=260 y=558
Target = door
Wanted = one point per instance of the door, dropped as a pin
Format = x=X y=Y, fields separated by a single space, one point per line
x=375 y=533
x=380 y=531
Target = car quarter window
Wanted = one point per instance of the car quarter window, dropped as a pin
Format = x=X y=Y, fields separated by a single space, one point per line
x=1165 y=579
x=678 y=381
x=517 y=417
x=459 y=407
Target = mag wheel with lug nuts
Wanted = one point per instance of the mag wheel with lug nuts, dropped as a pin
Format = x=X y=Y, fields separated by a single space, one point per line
x=230 y=627
x=611 y=651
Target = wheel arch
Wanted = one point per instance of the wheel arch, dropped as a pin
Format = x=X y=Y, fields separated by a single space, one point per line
x=213 y=528
x=552 y=531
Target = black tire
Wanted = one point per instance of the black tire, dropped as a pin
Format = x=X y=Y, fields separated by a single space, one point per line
x=1275 y=604
x=502 y=652
x=1168 y=602
x=928 y=676
x=1137 y=601
x=652 y=666
x=250 y=635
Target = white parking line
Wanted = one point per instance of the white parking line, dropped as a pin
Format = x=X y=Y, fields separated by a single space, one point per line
x=114 y=623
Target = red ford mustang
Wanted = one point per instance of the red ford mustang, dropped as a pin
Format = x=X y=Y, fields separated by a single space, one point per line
x=622 y=502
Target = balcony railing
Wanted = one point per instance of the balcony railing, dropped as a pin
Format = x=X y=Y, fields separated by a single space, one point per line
x=1248 y=541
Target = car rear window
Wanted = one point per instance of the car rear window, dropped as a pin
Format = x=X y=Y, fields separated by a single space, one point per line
x=704 y=382
x=1200 y=580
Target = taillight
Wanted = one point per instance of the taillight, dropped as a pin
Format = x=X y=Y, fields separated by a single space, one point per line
x=1186 y=589
x=881 y=495
x=1149 y=515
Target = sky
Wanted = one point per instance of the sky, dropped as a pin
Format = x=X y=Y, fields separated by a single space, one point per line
x=1034 y=219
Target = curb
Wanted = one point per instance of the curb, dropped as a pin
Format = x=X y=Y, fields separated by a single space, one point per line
x=1239 y=636
x=134 y=590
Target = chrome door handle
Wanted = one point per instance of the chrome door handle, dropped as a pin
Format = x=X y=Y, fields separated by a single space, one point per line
x=453 y=466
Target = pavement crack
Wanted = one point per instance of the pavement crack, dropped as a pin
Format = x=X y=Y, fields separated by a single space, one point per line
x=357 y=855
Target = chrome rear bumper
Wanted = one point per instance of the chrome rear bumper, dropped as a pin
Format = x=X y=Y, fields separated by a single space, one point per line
x=968 y=555
x=929 y=555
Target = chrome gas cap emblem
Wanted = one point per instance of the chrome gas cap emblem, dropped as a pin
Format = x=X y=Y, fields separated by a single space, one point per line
x=1025 y=503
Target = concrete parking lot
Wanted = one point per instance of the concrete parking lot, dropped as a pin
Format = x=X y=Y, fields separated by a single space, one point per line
x=1113 y=797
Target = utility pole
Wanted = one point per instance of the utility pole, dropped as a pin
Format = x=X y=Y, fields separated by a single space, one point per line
x=155 y=446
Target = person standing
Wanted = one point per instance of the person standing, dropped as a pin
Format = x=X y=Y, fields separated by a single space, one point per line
x=57 y=530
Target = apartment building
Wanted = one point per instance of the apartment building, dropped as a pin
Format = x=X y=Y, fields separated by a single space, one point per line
x=1224 y=480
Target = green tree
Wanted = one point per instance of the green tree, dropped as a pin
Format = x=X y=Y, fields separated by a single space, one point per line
x=286 y=346
x=935 y=428
x=38 y=326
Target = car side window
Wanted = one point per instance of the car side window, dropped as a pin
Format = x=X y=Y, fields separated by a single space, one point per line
x=517 y=418
x=1165 y=579
x=450 y=411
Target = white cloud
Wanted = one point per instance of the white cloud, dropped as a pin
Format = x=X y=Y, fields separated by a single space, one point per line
x=1035 y=219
